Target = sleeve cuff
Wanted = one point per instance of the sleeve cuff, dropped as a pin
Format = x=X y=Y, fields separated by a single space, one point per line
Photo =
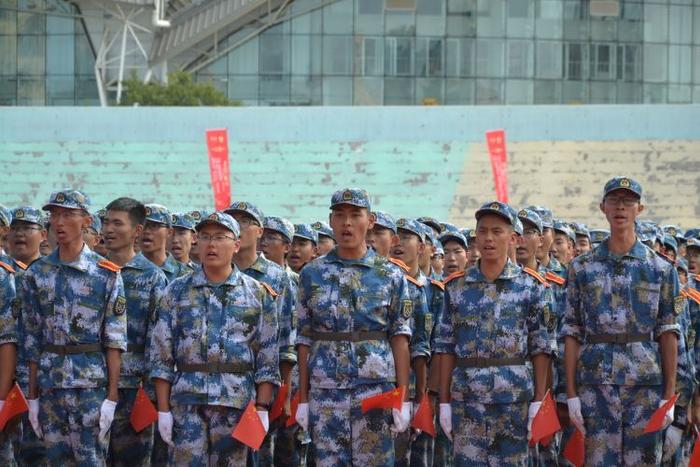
x=162 y=373
x=119 y=345
x=571 y=331
x=675 y=328
x=303 y=340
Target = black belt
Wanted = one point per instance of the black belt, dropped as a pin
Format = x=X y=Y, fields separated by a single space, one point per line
x=136 y=348
x=72 y=349
x=477 y=362
x=352 y=336
x=214 y=367
x=623 y=338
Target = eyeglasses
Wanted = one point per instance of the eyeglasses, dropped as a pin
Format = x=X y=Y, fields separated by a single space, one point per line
x=615 y=201
x=246 y=221
x=271 y=239
x=25 y=229
x=218 y=238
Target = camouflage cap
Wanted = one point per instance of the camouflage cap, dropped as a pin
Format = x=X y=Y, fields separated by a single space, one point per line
x=646 y=231
x=439 y=250
x=413 y=226
x=580 y=229
x=518 y=226
x=306 y=231
x=159 y=214
x=199 y=214
x=498 y=208
x=431 y=222
x=220 y=218
x=29 y=214
x=692 y=233
x=469 y=234
x=599 y=235
x=455 y=236
x=693 y=243
x=101 y=213
x=674 y=231
x=248 y=208
x=386 y=220
x=429 y=234
x=622 y=183
x=671 y=242
x=69 y=199
x=95 y=223
x=682 y=264
x=528 y=215
x=5 y=216
x=353 y=196
x=563 y=228
x=280 y=225
x=545 y=214
x=323 y=229
x=183 y=220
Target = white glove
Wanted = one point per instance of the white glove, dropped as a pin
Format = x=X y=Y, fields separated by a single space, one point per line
x=446 y=420
x=574 y=405
x=302 y=415
x=165 y=427
x=106 y=417
x=531 y=412
x=402 y=418
x=34 y=417
x=674 y=435
x=264 y=419
x=416 y=405
x=668 y=418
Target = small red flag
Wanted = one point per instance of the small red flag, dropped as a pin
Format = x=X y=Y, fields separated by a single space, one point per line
x=546 y=421
x=294 y=406
x=386 y=400
x=15 y=404
x=423 y=419
x=250 y=430
x=656 y=421
x=143 y=413
x=278 y=405
x=575 y=449
x=695 y=457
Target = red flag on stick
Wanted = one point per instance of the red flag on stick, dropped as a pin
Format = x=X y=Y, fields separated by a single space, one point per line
x=217 y=144
x=546 y=421
x=278 y=405
x=15 y=404
x=496 y=142
x=143 y=413
x=386 y=400
x=423 y=419
x=295 y=405
x=575 y=449
x=695 y=457
x=656 y=421
x=249 y=430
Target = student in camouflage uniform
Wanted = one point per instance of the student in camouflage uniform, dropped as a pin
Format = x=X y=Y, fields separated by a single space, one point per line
x=154 y=240
x=213 y=349
x=326 y=241
x=8 y=354
x=382 y=236
x=182 y=238
x=621 y=337
x=354 y=316
x=303 y=247
x=73 y=310
x=143 y=284
x=497 y=344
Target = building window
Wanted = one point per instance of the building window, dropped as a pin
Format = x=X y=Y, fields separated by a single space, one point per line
x=399 y=56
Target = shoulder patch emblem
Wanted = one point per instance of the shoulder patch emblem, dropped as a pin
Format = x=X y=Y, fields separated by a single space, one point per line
x=269 y=289
x=429 y=323
x=679 y=304
x=16 y=308
x=549 y=318
x=120 y=306
x=6 y=266
x=108 y=265
x=453 y=276
x=438 y=283
x=407 y=309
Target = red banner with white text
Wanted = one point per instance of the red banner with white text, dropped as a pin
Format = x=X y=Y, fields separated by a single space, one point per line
x=217 y=145
x=496 y=142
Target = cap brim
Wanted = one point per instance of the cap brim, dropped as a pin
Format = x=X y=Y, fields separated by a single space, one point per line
x=483 y=212
x=201 y=224
x=48 y=206
x=444 y=238
x=638 y=195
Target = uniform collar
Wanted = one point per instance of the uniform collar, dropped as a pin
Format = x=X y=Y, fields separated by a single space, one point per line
x=367 y=260
x=260 y=264
x=170 y=264
x=638 y=251
x=474 y=274
x=81 y=264
x=138 y=262
x=199 y=278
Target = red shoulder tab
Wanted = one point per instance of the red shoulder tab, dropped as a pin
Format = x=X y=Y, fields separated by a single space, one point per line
x=269 y=289
x=550 y=276
x=453 y=276
x=8 y=267
x=400 y=264
x=110 y=266
x=411 y=279
x=537 y=276
x=692 y=293
x=438 y=283
x=21 y=265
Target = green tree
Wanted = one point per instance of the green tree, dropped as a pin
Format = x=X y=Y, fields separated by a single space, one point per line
x=181 y=90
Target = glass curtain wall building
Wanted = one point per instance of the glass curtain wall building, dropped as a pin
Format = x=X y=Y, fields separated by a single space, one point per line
x=396 y=52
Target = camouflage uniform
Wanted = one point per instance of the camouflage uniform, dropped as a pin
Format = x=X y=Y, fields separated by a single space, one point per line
x=143 y=284
x=70 y=313
x=336 y=296
x=8 y=335
x=172 y=268
x=185 y=220
x=632 y=296
x=214 y=344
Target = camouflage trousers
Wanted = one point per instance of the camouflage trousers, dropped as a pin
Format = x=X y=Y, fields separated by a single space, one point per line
x=489 y=434
x=202 y=436
x=281 y=447
x=69 y=419
x=8 y=438
x=29 y=450
x=342 y=436
x=126 y=447
x=615 y=417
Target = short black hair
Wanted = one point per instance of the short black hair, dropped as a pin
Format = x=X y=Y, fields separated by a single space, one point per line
x=135 y=209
